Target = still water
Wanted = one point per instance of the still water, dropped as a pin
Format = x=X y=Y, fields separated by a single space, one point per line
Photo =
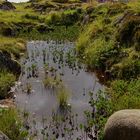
x=42 y=102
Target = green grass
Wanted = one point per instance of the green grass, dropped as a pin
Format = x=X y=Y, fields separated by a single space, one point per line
x=98 y=44
x=59 y=33
x=24 y=22
x=126 y=93
x=51 y=82
x=103 y=45
x=113 y=49
x=11 y=125
x=6 y=81
x=120 y=95
x=12 y=45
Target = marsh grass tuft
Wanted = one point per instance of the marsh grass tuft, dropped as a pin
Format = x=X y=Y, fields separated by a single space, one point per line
x=63 y=96
x=52 y=82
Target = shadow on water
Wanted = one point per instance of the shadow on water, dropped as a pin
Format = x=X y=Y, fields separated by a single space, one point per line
x=54 y=90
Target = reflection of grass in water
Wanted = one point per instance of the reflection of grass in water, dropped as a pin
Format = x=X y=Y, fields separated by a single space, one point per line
x=63 y=96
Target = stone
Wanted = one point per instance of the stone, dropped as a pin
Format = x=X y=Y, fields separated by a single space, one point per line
x=3 y=136
x=123 y=125
x=8 y=63
x=7 y=6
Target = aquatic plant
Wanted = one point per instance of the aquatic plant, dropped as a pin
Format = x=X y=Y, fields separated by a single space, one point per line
x=46 y=68
x=34 y=70
x=28 y=88
x=63 y=96
x=52 y=82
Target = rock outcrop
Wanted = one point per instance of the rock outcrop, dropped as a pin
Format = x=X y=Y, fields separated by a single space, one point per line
x=7 y=6
x=3 y=136
x=6 y=62
x=123 y=125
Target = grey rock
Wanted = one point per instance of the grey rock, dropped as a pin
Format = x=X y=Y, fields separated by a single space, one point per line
x=7 y=6
x=8 y=63
x=3 y=136
x=123 y=125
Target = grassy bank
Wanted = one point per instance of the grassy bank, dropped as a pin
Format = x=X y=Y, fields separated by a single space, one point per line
x=110 y=44
x=11 y=124
x=40 y=20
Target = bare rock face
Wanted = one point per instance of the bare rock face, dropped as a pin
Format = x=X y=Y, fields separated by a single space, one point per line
x=123 y=125
x=3 y=136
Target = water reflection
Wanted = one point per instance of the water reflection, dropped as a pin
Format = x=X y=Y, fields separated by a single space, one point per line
x=47 y=68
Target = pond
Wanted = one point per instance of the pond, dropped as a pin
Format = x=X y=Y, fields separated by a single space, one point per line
x=54 y=90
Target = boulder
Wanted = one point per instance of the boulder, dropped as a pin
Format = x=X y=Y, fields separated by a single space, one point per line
x=8 y=63
x=7 y=6
x=123 y=125
x=3 y=136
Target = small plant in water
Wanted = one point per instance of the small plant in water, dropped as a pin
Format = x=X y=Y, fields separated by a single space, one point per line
x=52 y=82
x=62 y=97
x=34 y=69
x=29 y=88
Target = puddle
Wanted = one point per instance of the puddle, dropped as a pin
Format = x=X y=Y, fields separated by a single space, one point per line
x=57 y=61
